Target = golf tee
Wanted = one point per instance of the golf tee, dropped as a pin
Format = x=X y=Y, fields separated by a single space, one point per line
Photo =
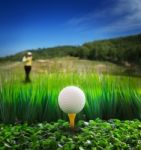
x=72 y=119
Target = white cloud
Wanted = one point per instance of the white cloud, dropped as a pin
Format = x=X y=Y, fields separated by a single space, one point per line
x=125 y=14
x=130 y=9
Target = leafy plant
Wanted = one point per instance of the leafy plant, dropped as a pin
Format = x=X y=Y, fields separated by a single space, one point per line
x=95 y=134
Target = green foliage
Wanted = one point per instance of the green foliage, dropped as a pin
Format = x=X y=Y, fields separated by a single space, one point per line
x=115 y=50
x=93 y=135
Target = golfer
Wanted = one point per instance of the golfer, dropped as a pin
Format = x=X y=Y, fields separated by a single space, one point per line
x=27 y=59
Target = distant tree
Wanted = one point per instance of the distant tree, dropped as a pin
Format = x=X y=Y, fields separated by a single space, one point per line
x=115 y=50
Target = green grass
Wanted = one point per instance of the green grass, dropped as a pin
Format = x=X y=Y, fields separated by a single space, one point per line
x=107 y=96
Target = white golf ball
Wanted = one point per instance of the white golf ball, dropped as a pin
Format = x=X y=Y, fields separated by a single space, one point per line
x=71 y=99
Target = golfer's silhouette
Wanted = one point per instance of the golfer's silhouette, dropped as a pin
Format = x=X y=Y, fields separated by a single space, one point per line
x=27 y=59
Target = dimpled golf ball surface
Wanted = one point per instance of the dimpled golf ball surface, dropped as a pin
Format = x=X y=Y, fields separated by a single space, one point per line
x=71 y=99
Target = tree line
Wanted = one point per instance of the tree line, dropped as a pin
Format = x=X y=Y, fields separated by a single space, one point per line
x=115 y=50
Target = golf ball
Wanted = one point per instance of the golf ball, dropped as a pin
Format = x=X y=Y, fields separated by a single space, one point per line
x=71 y=99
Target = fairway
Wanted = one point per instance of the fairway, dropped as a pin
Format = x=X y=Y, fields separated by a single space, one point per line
x=107 y=96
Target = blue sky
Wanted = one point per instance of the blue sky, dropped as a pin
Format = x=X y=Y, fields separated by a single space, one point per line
x=32 y=24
